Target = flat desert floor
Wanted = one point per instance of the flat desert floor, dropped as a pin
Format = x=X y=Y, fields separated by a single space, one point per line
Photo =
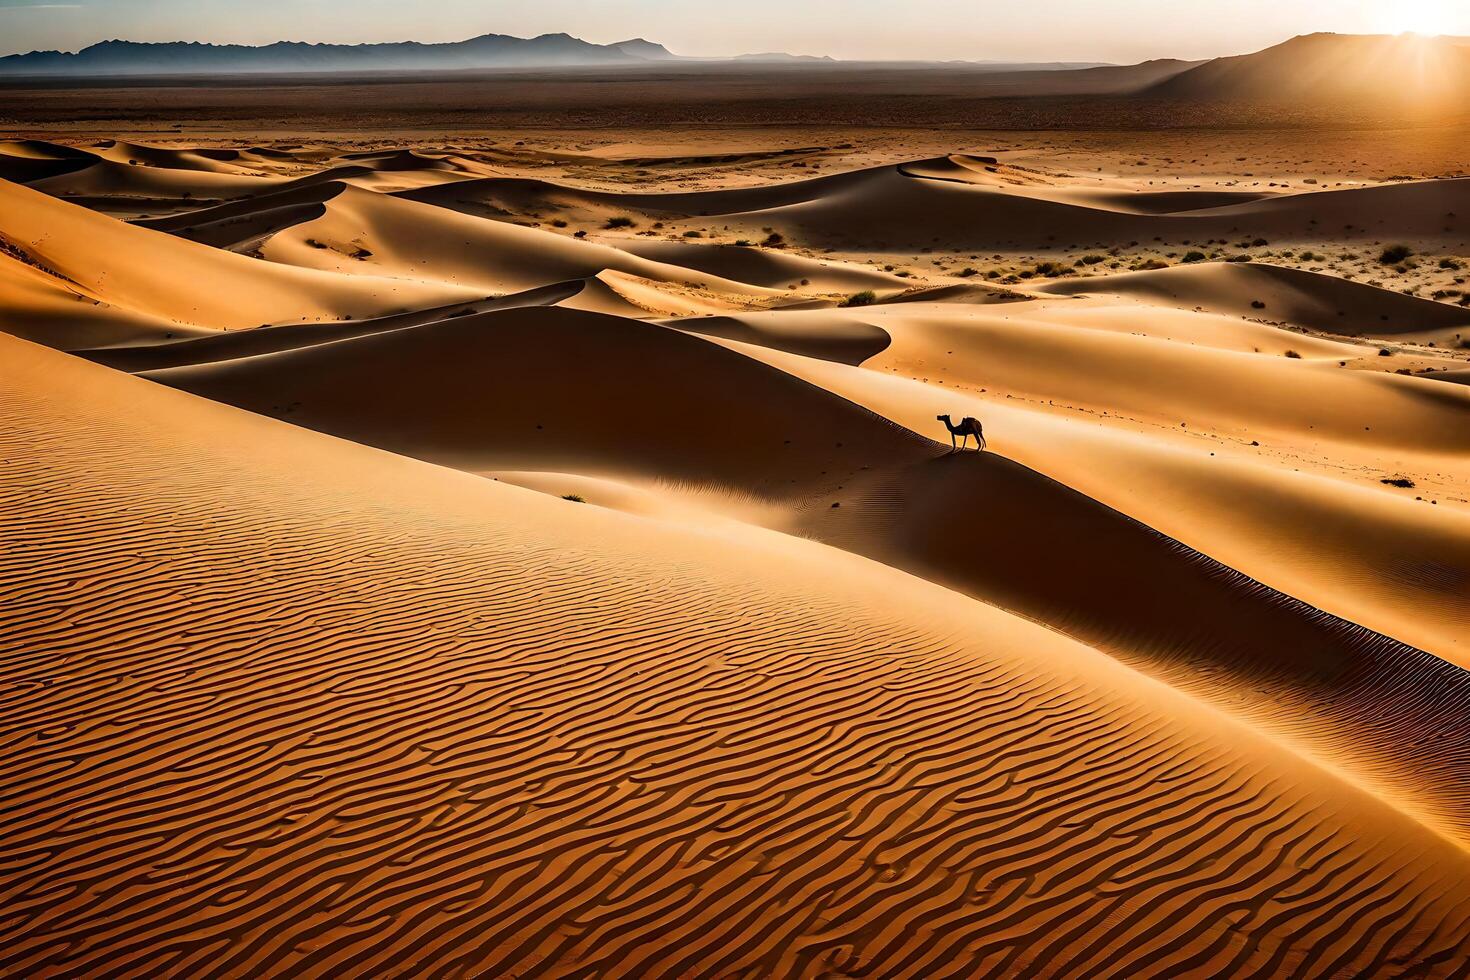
x=536 y=552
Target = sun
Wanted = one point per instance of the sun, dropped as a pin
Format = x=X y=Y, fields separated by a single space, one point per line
x=1427 y=17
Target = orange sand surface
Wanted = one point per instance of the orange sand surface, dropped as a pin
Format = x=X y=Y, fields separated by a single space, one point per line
x=505 y=561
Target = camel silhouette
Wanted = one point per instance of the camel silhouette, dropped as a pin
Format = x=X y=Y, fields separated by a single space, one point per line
x=968 y=427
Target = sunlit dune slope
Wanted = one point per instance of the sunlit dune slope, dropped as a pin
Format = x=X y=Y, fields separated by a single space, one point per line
x=361 y=231
x=1417 y=74
x=159 y=276
x=39 y=305
x=1306 y=299
x=427 y=722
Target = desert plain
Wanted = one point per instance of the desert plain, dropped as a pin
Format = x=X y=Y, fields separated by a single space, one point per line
x=520 y=540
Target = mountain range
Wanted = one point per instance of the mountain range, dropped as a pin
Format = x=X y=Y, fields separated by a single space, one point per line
x=1320 y=68
x=117 y=57
x=186 y=57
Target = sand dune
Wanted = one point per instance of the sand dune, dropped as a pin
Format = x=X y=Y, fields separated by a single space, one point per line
x=725 y=719
x=467 y=583
x=1241 y=395
x=197 y=159
x=1123 y=587
x=214 y=347
x=480 y=402
x=1306 y=516
x=1306 y=299
x=838 y=337
x=760 y=267
x=49 y=309
x=132 y=179
x=387 y=236
x=121 y=177
x=245 y=224
x=119 y=187
x=27 y=160
x=165 y=278
x=942 y=201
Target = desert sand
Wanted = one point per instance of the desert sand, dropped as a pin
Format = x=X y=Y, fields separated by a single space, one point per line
x=536 y=554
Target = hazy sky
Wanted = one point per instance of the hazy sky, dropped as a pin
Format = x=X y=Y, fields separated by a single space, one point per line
x=1070 y=30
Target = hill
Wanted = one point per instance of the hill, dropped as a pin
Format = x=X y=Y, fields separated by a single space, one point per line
x=1427 y=72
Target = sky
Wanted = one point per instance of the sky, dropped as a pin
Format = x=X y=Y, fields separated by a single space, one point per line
x=1120 y=31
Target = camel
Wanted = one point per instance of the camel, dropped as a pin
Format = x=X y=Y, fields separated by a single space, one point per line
x=968 y=427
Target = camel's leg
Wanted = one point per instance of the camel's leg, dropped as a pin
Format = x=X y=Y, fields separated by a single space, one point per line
x=964 y=438
x=951 y=442
x=980 y=444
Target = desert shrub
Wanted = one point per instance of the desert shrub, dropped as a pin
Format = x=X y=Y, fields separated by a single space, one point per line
x=558 y=223
x=580 y=234
x=1239 y=258
x=693 y=234
x=1152 y=264
x=1194 y=257
x=1094 y=259
x=865 y=298
x=774 y=239
x=620 y=221
x=1051 y=269
x=575 y=498
x=967 y=272
x=1294 y=354
x=1257 y=305
x=1395 y=254
x=1448 y=264
x=1398 y=481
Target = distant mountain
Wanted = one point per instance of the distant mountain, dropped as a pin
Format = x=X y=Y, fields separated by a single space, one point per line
x=781 y=56
x=189 y=57
x=1033 y=65
x=646 y=50
x=1346 y=69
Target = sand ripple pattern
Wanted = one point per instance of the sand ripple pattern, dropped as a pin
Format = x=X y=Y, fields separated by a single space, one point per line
x=263 y=714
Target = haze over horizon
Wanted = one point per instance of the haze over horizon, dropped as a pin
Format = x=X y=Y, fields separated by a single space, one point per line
x=1127 y=31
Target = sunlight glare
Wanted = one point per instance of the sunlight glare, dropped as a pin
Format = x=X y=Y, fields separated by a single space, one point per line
x=1425 y=17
